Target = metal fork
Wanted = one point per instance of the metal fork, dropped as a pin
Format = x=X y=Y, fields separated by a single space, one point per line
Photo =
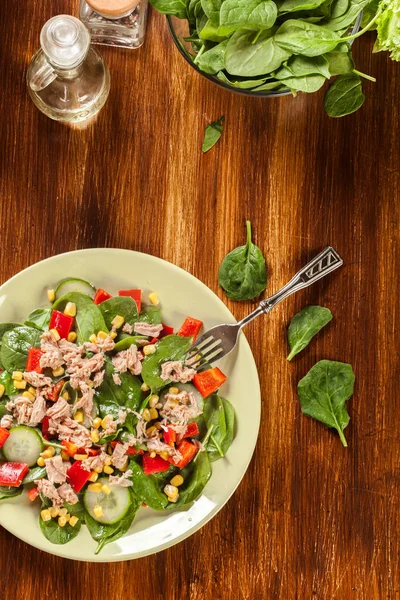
x=221 y=339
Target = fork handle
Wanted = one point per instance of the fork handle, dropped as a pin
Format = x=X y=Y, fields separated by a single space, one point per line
x=327 y=261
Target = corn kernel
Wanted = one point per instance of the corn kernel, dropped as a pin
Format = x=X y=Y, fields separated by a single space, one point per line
x=113 y=335
x=55 y=334
x=32 y=390
x=110 y=450
x=93 y=477
x=58 y=372
x=62 y=521
x=177 y=480
x=95 y=488
x=164 y=454
x=54 y=511
x=72 y=336
x=152 y=454
x=154 y=299
x=73 y=521
x=98 y=511
x=102 y=335
x=17 y=375
x=149 y=349
x=64 y=455
x=158 y=425
x=78 y=416
x=66 y=396
x=70 y=309
x=95 y=436
x=62 y=512
x=124 y=466
x=93 y=338
x=51 y=295
x=153 y=413
x=107 y=459
x=80 y=456
x=146 y=415
x=151 y=430
x=40 y=461
x=171 y=491
x=49 y=453
x=45 y=514
x=106 y=489
x=106 y=421
x=19 y=385
x=90 y=383
x=2 y=390
x=173 y=390
x=68 y=517
x=144 y=387
x=97 y=422
x=109 y=470
x=153 y=400
x=117 y=321
x=29 y=396
x=50 y=450
x=98 y=470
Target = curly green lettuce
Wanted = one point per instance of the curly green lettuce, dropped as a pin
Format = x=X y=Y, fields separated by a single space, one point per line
x=388 y=28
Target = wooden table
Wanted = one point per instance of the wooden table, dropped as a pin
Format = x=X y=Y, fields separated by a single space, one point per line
x=311 y=519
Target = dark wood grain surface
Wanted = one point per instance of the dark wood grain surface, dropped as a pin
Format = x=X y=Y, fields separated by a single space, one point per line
x=311 y=519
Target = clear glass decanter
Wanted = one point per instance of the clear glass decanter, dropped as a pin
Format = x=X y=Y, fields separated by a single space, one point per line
x=67 y=78
x=115 y=22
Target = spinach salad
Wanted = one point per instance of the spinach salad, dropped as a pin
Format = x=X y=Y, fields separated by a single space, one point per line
x=100 y=415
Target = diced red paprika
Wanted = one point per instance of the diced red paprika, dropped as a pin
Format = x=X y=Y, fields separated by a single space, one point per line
x=208 y=382
x=77 y=476
x=88 y=451
x=33 y=494
x=188 y=451
x=154 y=465
x=131 y=450
x=100 y=296
x=69 y=448
x=190 y=328
x=45 y=428
x=33 y=361
x=154 y=341
x=12 y=473
x=136 y=295
x=62 y=323
x=4 y=435
x=169 y=436
x=191 y=430
x=166 y=330
x=56 y=391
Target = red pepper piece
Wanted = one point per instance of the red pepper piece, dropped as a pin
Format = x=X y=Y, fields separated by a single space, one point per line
x=209 y=381
x=190 y=328
x=166 y=330
x=169 y=436
x=4 y=435
x=136 y=295
x=62 y=323
x=33 y=361
x=100 y=296
x=77 y=476
x=56 y=391
x=188 y=451
x=131 y=450
x=45 y=428
x=191 y=430
x=88 y=451
x=154 y=465
x=154 y=341
x=33 y=494
x=12 y=473
x=69 y=448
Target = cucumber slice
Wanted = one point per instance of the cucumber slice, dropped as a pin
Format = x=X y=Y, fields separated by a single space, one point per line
x=115 y=505
x=73 y=284
x=23 y=445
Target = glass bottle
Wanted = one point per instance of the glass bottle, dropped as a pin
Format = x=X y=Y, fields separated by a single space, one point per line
x=115 y=22
x=67 y=78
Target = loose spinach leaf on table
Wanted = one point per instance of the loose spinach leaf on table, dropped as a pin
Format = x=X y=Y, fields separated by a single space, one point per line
x=307 y=323
x=62 y=535
x=247 y=57
x=15 y=347
x=212 y=134
x=243 y=273
x=171 y=347
x=88 y=319
x=323 y=394
x=308 y=39
x=148 y=488
x=7 y=493
x=105 y=534
x=220 y=413
x=344 y=96
x=39 y=318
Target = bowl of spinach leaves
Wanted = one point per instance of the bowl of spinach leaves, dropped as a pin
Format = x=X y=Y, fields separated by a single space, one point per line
x=271 y=48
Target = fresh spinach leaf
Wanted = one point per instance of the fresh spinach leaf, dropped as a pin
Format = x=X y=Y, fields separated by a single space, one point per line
x=246 y=14
x=323 y=394
x=308 y=39
x=151 y=315
x=343 y=21
x=39 y=318
x=302 y=66
x=148 y=488
x=212 y=60
x=7 y=380
x=33 y=474
x=307 y=323
x=340 y=61
x=171 y=7
x=243 y=273
x=126 y=342
x=288 y=6
x=3 y=409
x=62 y=535
x=271 y=85
x=15 y=347
x=196 y=476
x=88 y=319
x=7 y=493
x=241 y=84
x=120 y=305
x=344 y=96
x=110 y=397
x=248 y=57
x=212 y=134
x=211 y=8
x=220 y=413
x=171 y=347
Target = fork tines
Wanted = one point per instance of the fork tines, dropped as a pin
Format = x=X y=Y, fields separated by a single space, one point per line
x=205 y=350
